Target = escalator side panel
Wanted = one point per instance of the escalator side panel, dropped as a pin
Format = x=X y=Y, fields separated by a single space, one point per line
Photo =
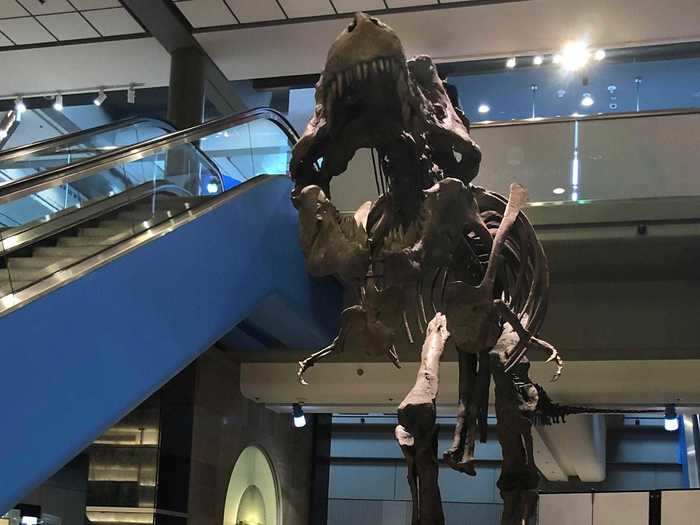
x=80 y=358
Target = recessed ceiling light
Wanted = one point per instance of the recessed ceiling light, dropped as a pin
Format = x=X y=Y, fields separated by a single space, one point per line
x=537 y=60
x=484 y=108
x=587 y=100
x=599 y=55
x=558 y=191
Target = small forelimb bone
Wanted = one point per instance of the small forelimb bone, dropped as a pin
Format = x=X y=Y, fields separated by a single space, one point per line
x=353 y=316
x=527 y=341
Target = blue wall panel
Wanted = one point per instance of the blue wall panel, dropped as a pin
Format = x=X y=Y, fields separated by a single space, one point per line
x=81 y=357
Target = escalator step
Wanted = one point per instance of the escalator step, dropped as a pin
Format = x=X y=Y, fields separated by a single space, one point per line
x=67 y=251
x=92 y=241
x=102 y=232
x=39 y=263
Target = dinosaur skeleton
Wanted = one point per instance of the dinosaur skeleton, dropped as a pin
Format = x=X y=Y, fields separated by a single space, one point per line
x=432 y=246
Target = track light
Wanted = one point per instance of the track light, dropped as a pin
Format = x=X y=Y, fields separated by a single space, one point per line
x=212 y=187
x=131 y=95
x=20 y=106
x=298 y=415
x=671 y=418
x=511 y=62
x=101 y=97
x=58 y=102
x=537 y=60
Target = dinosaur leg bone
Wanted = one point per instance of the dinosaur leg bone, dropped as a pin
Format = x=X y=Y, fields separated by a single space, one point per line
x=519 y=476
x=417 y=431
x=457 y=456
x=472 y=415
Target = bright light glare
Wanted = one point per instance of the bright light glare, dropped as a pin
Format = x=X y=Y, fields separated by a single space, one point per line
x=300 y=421
x=20 y=106
x=58 y=103
x=671 y=424
x=538 y=60
x=29 y=520
x=511 y=62
x=575 y=55
x=587 y=100
x=484 y=108
x=3 y=134
x=558 y=191
x=212 y=187
x=599 y=55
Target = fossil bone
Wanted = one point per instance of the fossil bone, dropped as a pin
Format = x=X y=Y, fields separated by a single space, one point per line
x=432 y=245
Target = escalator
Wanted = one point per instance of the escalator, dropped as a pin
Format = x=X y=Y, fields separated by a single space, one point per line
x=119 y=268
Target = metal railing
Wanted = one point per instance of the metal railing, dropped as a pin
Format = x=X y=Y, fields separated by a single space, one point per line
x=28 y=185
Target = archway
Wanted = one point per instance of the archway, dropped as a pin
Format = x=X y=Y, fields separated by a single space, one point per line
x=252 y=497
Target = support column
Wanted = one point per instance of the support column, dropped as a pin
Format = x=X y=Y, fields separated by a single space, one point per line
x=320 y=479
x=186 y=93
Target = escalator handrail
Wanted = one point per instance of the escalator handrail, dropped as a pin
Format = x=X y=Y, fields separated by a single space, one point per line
x=27 y=150
x=56 y=177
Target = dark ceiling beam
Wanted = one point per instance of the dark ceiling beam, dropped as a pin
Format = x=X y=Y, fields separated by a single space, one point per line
x=163 y=20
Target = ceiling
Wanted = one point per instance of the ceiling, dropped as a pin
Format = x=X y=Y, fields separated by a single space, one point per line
x=32 y=22
x=210 y=13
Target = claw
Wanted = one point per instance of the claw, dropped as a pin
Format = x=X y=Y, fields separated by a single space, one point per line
x=303 y=367
x=553 y=356
x=394 y=356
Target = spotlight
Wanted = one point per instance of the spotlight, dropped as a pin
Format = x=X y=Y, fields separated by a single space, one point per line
x=20 y=106
x=575 y=55
x=484 y=108
x=537 y=60
x=599 y=55
x=101 y=97
x=58 y=102
x=558 y=191
x=671 y=418
x=131 y=95
x=298 y=415
x=212 y=187
x=587 y=100
x=511 y=62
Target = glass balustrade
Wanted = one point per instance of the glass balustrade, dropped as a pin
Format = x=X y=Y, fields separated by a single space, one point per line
x=594 y=158
x=33 y=159
x=52 y=224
